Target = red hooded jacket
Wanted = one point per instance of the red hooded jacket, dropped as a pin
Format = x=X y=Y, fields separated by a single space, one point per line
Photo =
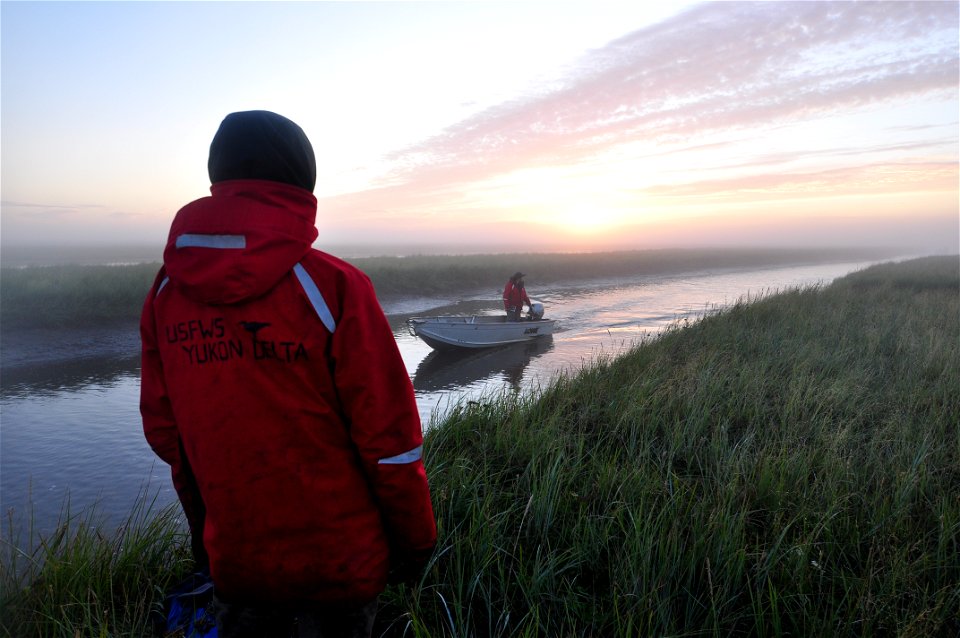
x=514 y=296
x=273 y=387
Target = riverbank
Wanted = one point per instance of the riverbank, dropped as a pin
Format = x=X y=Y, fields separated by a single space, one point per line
x=96 y=296
x=68 y=313
x=786 y=466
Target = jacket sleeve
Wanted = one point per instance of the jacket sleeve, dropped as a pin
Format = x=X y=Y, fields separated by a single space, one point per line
x=160 y=427
x=377 y=397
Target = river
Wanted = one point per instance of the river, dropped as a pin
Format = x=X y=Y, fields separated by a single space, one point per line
x=70 y=427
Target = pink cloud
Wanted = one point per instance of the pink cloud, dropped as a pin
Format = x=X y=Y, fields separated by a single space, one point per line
x=718 y=66
x=869 y=179
x=721 y=67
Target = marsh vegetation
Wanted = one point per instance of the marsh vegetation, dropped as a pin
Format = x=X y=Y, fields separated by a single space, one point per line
x=785 y=466
x=66 y=296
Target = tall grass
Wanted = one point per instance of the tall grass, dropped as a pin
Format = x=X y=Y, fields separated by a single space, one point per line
x=788 y=466
x=443 y=274
x=73 y=296
x=82 y=296
x=86 y=580
x=785 y=467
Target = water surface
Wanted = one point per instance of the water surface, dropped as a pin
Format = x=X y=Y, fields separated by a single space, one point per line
x=69 y=418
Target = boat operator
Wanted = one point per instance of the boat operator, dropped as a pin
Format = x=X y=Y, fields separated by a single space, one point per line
x=514 y=296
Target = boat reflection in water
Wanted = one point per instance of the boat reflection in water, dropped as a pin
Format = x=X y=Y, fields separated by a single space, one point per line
x=452 y=369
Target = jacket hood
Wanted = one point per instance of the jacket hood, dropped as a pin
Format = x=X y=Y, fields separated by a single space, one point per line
x=239 y=242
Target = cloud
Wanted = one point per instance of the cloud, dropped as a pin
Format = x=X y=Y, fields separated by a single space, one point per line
x=14 y=204
x=717 y=67
x=125 y=216
x=754 y=112
x=45 y=211
x=37 y=222
x=859 y=180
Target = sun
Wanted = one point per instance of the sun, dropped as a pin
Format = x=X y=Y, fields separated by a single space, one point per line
x=587 y=220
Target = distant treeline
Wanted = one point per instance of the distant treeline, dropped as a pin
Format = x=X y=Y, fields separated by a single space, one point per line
x=81 y=296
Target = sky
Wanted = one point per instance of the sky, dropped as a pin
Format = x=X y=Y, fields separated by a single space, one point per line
x=535 y=125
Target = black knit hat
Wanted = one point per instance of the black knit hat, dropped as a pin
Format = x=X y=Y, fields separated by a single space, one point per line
x=262 y=145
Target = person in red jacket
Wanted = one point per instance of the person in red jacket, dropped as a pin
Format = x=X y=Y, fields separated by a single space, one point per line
x=273 y=387
x=515 y=296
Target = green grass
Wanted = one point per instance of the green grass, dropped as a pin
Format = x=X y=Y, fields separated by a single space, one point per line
x=73 y=296
x=85 y=580
x=84 y=295
x=784 y=467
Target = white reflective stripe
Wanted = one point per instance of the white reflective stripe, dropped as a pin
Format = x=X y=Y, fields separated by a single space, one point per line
x=163 y=284
x=211 y=241
x=316 y=299
x=407 y=457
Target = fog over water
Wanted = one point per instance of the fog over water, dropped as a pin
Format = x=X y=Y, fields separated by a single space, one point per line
x=920 y=240
x=72 y=427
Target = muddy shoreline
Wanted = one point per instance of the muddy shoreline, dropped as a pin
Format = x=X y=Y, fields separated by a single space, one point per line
x=31 y=347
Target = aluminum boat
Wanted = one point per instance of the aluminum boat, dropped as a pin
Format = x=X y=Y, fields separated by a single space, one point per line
x=477 y=331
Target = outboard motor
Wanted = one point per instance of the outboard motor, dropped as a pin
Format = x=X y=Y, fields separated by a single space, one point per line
x=536 y=311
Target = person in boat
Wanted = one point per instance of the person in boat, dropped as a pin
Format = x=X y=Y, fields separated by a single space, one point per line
x=515 y=296
x=273 y=387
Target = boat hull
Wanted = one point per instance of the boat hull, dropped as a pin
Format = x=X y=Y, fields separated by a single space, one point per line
x=477 y=331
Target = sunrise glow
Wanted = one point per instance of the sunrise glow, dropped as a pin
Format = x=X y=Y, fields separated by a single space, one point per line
x=771 y=123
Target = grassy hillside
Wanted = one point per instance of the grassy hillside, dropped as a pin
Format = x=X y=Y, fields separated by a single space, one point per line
x=786 y=467
x=84 y=295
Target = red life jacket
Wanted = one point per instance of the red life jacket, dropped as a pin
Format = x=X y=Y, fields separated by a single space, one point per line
x=273 y=386
x=514 y=296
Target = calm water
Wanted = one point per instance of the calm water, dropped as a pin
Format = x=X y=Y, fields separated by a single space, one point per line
x=71 y=429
